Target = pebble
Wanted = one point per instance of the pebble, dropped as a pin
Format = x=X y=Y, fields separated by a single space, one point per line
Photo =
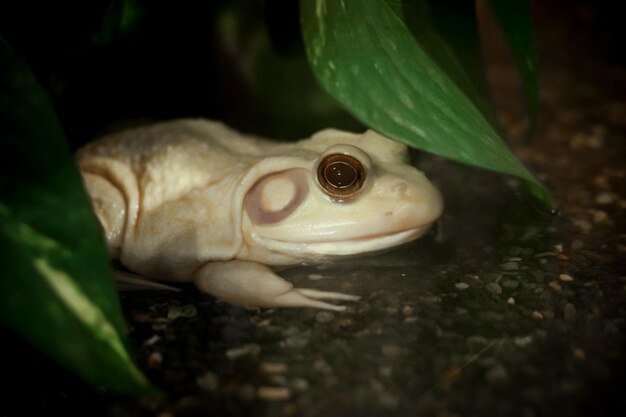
x=461 y=286
x=324 y=317
x=554 y=286
x=391 y=351
x=509 y=266
x=407 y=310
x=566 y=278
x=579 y=353
x=207 y=382
x=537 y=315
x=154 y=339
x=510 y=284
x=300 y=384
x=296 y=341
x=605 y=198
x=155 y=359
x=569 y=312
x=510 y=301
x=187 y=311
x=315 y=277
x=273 y=367
x=523 y=341
x=583 y=225
x=497 y=374
x=494 y=288
x=250 y=349
x=273 y=393
x=577 y=244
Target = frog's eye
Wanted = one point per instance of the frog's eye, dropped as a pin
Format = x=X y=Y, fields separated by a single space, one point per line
x=340 y=175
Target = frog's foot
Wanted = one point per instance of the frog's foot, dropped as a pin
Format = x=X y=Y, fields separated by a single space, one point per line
x=255 y=285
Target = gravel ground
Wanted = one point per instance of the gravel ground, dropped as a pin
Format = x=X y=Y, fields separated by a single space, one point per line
x=503 y=309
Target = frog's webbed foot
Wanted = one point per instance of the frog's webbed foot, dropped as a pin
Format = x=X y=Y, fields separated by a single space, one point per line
x=255 y=285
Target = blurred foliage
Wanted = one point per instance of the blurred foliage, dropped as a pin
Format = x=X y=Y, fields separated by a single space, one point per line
x=56 y=290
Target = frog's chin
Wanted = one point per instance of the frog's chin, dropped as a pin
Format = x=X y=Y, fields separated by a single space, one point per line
x=354 y=246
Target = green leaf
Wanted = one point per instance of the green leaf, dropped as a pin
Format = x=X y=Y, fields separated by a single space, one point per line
x=56 y=290
x=364 y=55
x=121 y=18
x=513 y=17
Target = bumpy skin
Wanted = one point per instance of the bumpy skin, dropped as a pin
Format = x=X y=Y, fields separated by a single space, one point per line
x=193 y=200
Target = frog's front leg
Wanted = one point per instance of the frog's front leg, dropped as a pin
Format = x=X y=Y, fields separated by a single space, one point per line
x=254 y=285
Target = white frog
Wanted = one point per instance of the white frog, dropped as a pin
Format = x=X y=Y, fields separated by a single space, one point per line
x=194 y=200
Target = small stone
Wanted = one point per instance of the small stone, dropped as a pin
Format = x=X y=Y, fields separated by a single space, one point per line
x=321 y=366
x=388 y=400
x=554 y=286
x=154 y=360
x=510 y=284
x=569 y=312
x=273 y=393
x=523 y=341
x=577 y=244
x=599 y=216
x=509 y=266
x=537 y=315
x=207 y=382
x=324 y=317
x=391 y=351
x=250 y=349
x=385 y=371
x=273 y=367
x=494 y=288
x=407 y=310
x=345 y=323
x=476 y=342
x=579 y=353
x=392 y=311
x=154 y=339
x=186 y=311
x=497 y=374
x=510 y=301
x=566 y=278
x=583 y=225
x=296 y=342
x=605 y=198
x=300 y=384
x=461 y=286
x=412 y=319
x=315 y=277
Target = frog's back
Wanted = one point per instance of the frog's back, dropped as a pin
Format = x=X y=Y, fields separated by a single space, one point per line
x=177 y=182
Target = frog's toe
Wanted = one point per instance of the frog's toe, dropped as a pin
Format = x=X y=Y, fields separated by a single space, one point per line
x=296 y=298
x=327 y=295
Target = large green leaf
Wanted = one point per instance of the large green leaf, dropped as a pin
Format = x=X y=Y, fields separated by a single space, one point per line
x=513 y=17
x=364 y=55
x=56 y=288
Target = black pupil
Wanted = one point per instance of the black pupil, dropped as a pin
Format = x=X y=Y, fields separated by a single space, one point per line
x=340 y=174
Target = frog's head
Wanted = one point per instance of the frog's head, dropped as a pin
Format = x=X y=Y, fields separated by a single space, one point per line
x=338 y=193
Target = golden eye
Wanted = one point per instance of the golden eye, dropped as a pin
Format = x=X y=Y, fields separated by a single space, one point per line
x=340 y=175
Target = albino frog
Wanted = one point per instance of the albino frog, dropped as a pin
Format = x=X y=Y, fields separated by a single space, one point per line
x=193 y=200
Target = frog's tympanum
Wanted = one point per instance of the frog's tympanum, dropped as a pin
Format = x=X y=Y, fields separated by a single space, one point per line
x=193 y=200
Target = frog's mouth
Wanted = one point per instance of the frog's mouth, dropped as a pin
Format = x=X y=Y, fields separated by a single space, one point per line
x=356 y=245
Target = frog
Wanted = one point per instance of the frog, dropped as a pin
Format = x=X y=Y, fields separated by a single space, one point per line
x=196 y=201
